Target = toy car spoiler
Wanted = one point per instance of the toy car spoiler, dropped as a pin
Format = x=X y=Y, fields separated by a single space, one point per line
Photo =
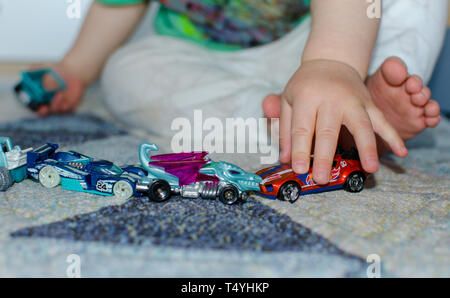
x=179 y=157
x=42 y=153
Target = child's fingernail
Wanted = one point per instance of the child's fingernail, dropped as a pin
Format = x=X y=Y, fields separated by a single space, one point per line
x=300 y=166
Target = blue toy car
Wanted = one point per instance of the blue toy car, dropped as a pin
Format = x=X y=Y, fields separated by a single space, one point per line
x=31 y=90
x=77 y=172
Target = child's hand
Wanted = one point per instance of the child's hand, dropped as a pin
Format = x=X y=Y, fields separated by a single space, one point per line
x=67 y=100
x=322 y=96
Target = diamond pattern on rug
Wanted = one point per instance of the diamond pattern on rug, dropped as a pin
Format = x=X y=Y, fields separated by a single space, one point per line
x=63 y=130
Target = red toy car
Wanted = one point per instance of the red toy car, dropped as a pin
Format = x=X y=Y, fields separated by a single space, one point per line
x=281 y=182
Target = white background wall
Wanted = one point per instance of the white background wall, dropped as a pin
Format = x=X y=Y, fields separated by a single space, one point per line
x=36 y=30
x=40 y=30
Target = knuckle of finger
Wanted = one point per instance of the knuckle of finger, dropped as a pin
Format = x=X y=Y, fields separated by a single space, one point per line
x=300 y=132
x=376 y=116
x=322 y=161
x=284 y=142
x=301 y=155
x=327 y=132
x=369 y=151
x=364 y=124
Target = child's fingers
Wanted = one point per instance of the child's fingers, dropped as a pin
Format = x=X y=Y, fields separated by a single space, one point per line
x=360 y=126
x=285 y=131
x=57 y=102
x=71 y=96
x=327 y=133
x=302 y=132
x=68 y=104
x=387 y=132
x=49 y=82
x=74 y=95
x=43 y=111
x=67 y=100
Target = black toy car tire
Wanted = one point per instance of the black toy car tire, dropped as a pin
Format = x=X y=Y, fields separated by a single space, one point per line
x=159 y=191
x=5 y=179
x=290 y=184
x=229 y=195
x=355 y=182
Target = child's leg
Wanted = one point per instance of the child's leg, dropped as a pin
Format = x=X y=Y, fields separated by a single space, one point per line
x=149 y=83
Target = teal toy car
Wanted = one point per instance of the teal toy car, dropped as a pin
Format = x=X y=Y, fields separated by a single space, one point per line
x=31 y=90
x=193 y=175
x=13 y=163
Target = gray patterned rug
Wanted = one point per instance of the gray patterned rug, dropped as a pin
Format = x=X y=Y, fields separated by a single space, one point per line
x=403 y=217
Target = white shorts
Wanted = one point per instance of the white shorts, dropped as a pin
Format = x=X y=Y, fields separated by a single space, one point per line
x=150 y=82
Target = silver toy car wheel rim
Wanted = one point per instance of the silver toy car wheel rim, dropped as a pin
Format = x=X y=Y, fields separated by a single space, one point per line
x=356 y=182
x=229 y=195
x=290 y=192
x=123 y=190
x=49 y=177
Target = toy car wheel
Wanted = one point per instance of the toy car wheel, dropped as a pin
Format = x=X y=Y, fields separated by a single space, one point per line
x=290 y=192
x=123 y=190
x=159 y=191
x=355 y=182
x=229 y=195
x=49 y=177
x=5 y=179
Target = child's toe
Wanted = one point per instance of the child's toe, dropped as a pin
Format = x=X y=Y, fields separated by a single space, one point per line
x=394 y=71
x=414 y=84
x=432 y=109
x=422 y=98
x=433 y=121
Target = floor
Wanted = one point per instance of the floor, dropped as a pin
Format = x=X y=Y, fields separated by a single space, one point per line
x=403 y=215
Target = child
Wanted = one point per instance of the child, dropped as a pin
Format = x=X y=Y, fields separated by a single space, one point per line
x=315 y=73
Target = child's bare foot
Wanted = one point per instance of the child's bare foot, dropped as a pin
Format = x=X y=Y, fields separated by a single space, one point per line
x=402 y=98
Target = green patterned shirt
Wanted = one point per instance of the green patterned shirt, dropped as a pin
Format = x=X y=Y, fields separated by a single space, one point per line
x=226 y=24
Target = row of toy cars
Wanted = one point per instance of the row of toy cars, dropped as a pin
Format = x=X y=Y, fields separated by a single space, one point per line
x=191 y=175
x=72 y=170
x=158 y=177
